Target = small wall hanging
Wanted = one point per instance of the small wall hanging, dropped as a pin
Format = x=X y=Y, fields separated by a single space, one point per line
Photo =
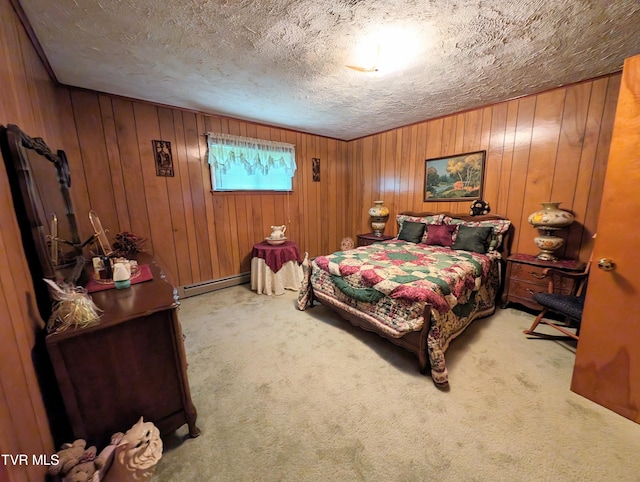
x=163 y=157
x=315 y=168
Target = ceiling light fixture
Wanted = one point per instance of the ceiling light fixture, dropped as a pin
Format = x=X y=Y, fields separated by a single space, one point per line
x=385 y=51
x=373 y=68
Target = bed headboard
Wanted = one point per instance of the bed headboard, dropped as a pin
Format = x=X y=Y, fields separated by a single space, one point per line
x=505 y=247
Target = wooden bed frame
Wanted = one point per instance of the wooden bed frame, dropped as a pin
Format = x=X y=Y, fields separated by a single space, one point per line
x=416 y=341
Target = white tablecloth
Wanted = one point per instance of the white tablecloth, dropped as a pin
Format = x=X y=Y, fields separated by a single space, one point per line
x=265 y=281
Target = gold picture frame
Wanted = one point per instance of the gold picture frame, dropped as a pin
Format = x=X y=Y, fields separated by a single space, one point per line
x=454 y=178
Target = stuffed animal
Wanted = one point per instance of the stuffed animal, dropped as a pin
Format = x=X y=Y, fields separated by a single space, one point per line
x=68 y=457
x=479 y=207
x=86 y=467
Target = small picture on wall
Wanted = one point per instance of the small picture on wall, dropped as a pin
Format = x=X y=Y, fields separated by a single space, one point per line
x=454 y=178
x=315 y=168
x=164 y=159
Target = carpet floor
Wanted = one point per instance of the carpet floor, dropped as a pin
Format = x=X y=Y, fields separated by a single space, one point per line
x=285 y=395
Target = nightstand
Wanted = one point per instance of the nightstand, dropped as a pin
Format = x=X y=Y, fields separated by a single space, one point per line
x=525 y=276
x=370 y=238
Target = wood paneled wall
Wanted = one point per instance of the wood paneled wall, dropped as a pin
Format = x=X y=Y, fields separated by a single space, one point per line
x=30 y=100
x=550 y=146
x=547 y=147
x=198 y=234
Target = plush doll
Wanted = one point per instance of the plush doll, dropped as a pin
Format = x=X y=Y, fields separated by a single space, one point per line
x=84 y=470
x=479 y=207
x=68 y=457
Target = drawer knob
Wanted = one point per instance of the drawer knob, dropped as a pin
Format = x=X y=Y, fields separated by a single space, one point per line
x=537 y=275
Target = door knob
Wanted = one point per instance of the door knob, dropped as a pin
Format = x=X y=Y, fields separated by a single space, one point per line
x=606 y=264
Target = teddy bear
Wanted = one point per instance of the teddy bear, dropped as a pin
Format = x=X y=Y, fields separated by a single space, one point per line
x=68 y=457
x=479 y=207
x=86 y=467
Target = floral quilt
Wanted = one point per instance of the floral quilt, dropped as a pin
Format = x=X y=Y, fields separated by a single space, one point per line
x=390 y=284
x=437 y=275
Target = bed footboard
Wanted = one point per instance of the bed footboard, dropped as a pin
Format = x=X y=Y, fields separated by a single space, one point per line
x=415 y=342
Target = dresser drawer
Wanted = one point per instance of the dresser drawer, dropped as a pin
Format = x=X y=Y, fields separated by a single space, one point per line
x=534 y=275
x=523 y=289
x=529 y=273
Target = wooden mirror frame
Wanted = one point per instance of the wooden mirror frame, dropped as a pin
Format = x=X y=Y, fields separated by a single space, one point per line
x=18 y=150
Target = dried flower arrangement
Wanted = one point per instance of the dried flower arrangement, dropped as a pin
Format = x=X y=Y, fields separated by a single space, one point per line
x=127 y=244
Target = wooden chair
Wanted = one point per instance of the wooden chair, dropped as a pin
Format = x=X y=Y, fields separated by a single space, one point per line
x=568 y=305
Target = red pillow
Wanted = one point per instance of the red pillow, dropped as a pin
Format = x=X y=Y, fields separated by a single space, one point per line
x=440 y=234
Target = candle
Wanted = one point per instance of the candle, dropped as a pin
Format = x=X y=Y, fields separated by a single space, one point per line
x=54 y=239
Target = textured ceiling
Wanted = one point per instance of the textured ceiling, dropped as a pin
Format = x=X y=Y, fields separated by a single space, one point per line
x=284 y=62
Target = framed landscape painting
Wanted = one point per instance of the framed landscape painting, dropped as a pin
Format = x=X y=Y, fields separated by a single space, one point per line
x=454 y=178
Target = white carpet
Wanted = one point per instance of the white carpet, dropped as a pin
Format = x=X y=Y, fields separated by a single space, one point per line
x=284 y=395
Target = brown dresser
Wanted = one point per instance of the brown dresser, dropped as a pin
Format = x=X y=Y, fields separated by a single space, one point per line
x=131 y=364
x=525 y=276
x=370 y=238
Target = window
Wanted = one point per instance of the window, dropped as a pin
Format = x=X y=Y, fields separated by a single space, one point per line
x=245 y=164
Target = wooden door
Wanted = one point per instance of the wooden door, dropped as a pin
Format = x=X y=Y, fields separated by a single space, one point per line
x=607 y=367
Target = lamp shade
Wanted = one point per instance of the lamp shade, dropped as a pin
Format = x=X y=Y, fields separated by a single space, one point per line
x=551 y=217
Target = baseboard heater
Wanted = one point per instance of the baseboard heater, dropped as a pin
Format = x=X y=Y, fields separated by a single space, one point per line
x=213 y=285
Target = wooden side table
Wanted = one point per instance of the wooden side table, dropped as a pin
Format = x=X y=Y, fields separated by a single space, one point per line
x=525 y=276
x=370 y=238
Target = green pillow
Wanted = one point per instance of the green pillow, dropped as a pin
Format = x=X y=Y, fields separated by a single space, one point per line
x=411 y=232
x=473 y=239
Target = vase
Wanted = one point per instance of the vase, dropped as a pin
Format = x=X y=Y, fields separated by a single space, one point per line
x=379 y=215
x=548 y=220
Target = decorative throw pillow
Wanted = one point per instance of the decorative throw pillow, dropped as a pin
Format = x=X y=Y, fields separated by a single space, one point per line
x=473 y=239
x=499 y=226
x=440 y=234
x=431 y=219
x=428 y=220
x=411 y=232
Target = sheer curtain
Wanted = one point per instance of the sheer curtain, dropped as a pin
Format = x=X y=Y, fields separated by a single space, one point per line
x=252 y=154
